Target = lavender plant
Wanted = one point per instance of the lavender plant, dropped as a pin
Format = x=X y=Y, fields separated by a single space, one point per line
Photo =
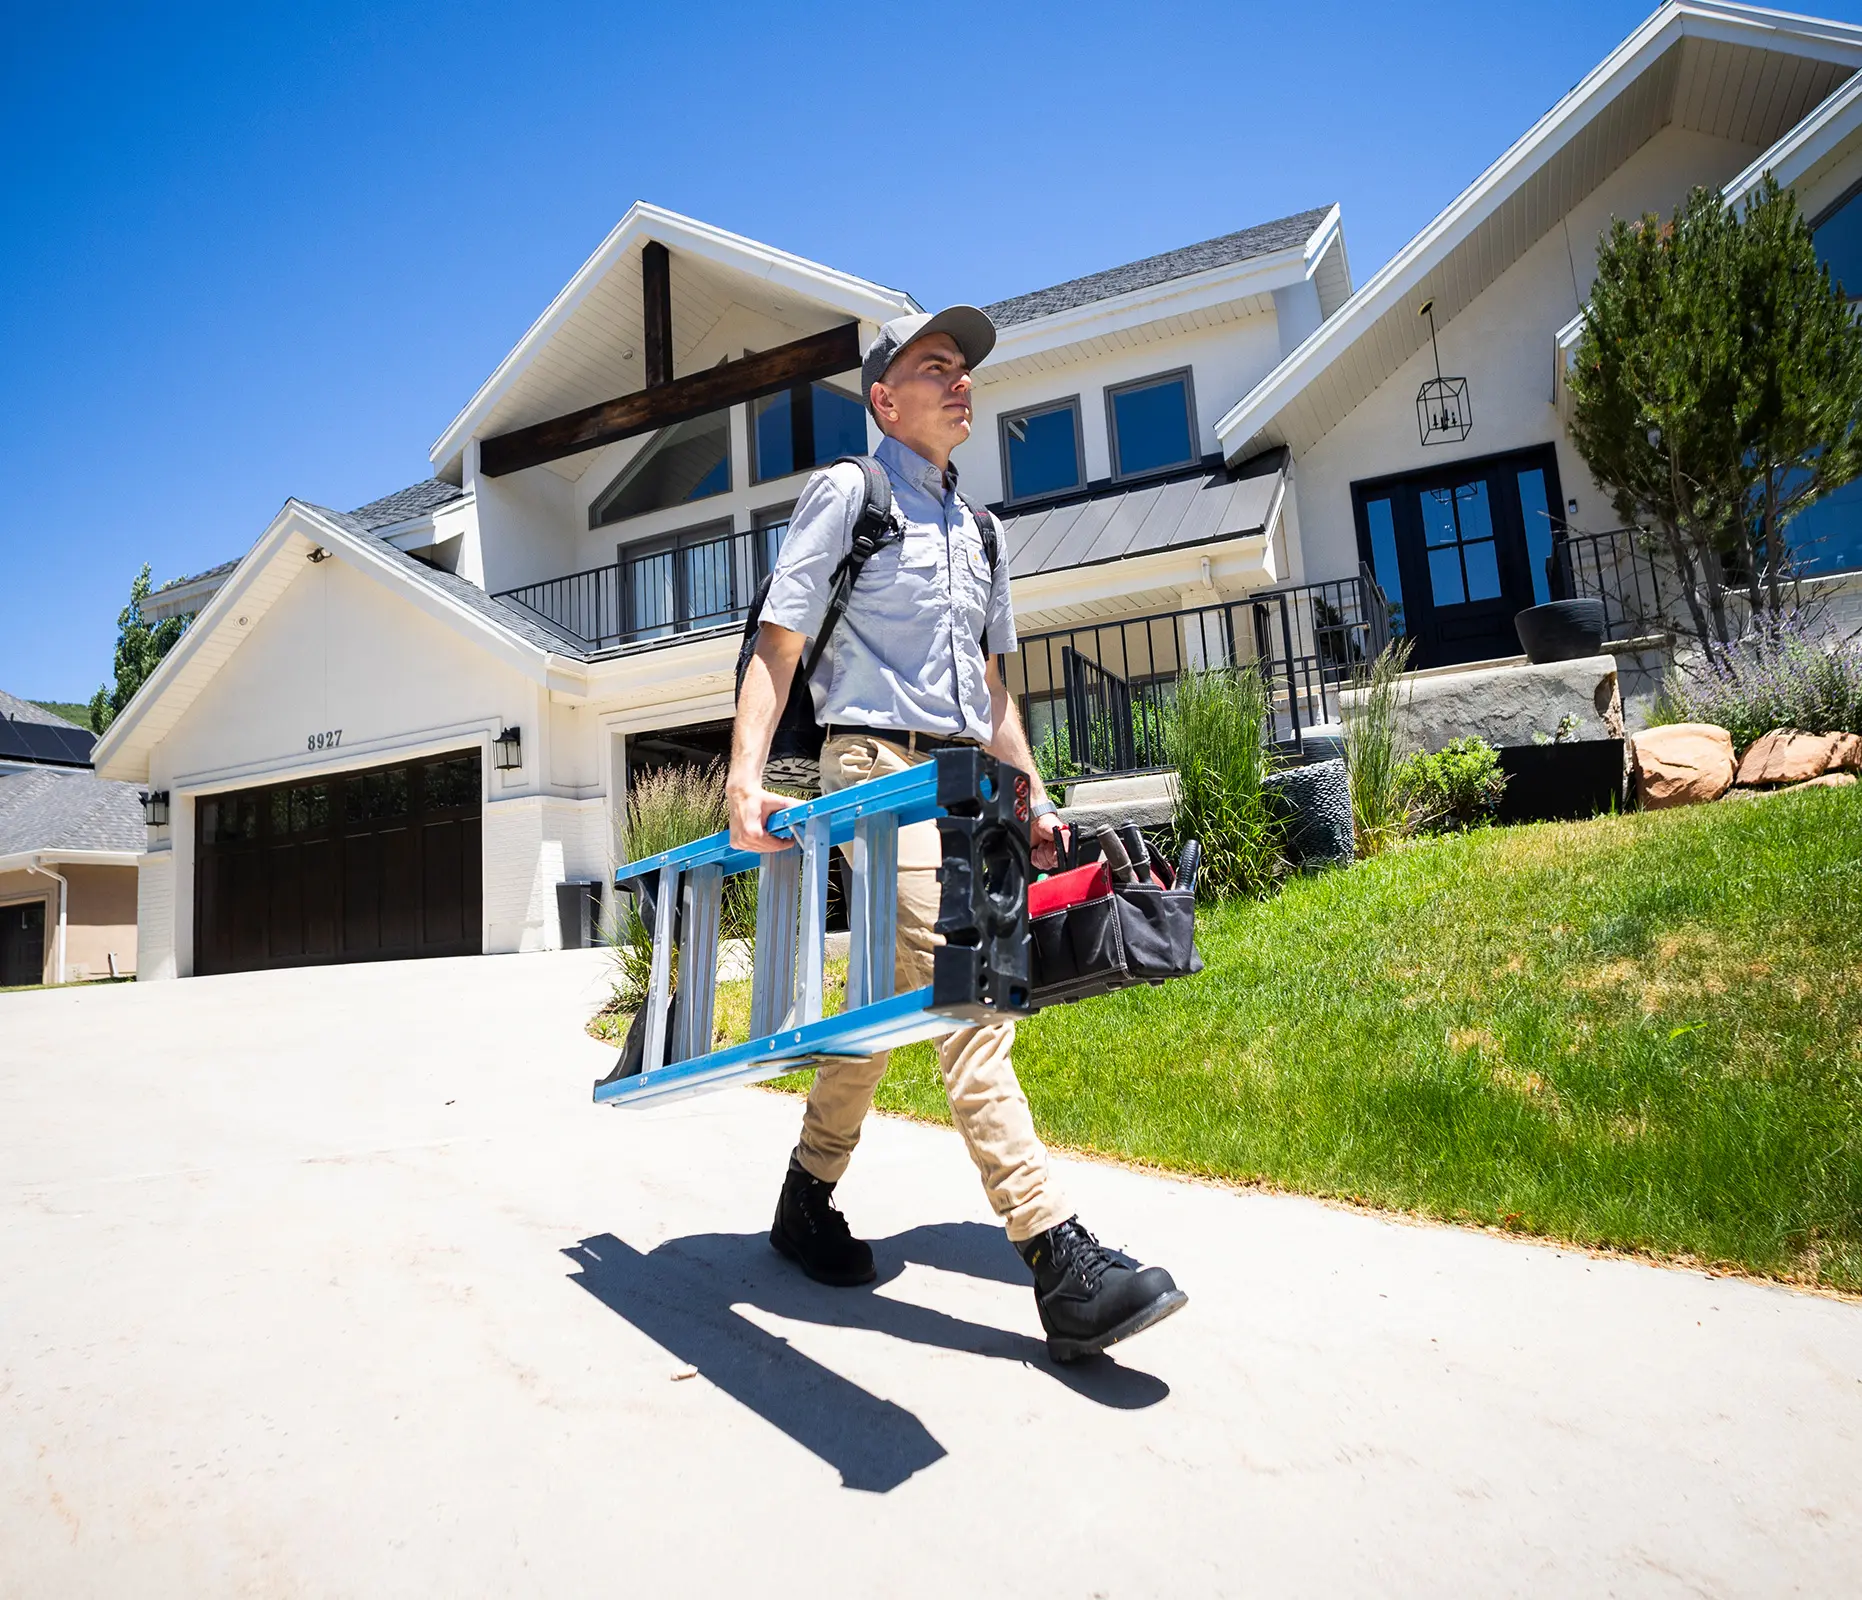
x=1781 y=677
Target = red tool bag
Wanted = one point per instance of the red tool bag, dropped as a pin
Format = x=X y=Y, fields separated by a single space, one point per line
x=1100 y=927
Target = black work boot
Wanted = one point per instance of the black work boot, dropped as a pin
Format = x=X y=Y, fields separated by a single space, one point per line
x=811 y=1232
x=1089 y=1296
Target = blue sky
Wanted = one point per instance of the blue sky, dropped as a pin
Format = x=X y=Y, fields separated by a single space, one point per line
x=253 y=252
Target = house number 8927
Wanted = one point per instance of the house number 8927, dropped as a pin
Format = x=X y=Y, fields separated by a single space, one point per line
x=324 y=741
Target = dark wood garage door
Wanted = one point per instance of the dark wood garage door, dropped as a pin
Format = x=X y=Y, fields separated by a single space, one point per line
x=366 y=866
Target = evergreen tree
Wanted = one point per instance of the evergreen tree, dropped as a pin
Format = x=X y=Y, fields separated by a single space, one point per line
x=140 y=646
x=1718 y=392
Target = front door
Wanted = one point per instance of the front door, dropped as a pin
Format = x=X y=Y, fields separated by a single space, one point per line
x=22 y=944
x=1461 y=550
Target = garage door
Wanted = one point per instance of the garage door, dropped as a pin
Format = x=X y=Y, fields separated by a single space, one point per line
x=366 y=866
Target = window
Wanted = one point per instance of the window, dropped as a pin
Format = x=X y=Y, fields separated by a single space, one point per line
x=771 y=526
x=833 y=423
x=1382 y=525
x=1838 y=240
x=691 y=461
x=1153 y=424
x=1042 y=451
x=1457 y=534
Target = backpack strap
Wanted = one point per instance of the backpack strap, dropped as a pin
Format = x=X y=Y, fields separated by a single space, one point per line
x=987 y=525
x=875 y=525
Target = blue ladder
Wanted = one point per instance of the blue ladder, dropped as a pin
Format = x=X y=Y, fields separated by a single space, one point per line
x=980 y=971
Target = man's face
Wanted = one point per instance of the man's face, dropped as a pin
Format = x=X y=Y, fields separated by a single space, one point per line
x=924 y=397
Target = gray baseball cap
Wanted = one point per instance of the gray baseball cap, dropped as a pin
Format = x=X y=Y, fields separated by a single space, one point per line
x=974 y=332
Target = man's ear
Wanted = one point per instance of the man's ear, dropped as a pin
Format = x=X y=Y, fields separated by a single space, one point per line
x=879 y=397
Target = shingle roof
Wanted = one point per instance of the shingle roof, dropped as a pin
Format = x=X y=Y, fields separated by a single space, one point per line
x=531 y=629
x=15 y=709
x=1281 y=234
x=404 y=505
x=1180 y=511
x=69 y=811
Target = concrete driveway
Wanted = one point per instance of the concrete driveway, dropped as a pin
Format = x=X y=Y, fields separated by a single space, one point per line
x=333 y=1282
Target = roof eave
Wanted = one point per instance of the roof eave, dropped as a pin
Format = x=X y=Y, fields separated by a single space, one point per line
x=1251 y=418
x=1278 y=269
x=116 y=752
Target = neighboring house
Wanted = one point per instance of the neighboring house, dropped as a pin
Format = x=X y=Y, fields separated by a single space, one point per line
x=69 y=847
x=394 y=731
x=32 y=737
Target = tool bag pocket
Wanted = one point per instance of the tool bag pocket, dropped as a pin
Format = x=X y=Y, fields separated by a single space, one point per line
x=1092 y=935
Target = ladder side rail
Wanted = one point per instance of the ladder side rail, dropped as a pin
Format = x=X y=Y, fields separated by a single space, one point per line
x=659 y=980
x=817 y=863
x=778 y=906
x=698 y=962
x=873 y=919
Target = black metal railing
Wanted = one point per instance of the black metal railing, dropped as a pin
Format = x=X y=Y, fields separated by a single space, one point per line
x=659 y=595
x=1636 y=584
x=1095 y=698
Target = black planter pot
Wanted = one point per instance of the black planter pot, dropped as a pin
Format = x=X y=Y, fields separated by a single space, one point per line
x=1561 y=782
x=1560 y=630
x=1315 y=803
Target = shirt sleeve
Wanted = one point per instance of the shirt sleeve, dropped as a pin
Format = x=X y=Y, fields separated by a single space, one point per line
x=820 y=534
x=999 y=617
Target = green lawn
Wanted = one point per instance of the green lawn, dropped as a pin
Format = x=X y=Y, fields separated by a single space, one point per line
x=1641 y=1032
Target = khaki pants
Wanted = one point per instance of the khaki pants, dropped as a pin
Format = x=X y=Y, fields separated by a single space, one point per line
x=986 y=1101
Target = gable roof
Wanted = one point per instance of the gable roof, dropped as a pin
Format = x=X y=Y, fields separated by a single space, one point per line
x=69 y=811
x=521 y=641
x=1284 y=233
x=1735 y=71
x=585 y=347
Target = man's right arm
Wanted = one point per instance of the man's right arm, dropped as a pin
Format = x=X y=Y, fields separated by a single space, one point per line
x=759 y=704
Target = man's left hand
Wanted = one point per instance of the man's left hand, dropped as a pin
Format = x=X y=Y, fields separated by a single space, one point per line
x=1044 y=834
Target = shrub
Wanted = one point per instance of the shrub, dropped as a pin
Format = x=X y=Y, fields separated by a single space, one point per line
x=1777 y=679
x=1216 y=738
x=1380 y=811
x=665 y=809
x=1457 y=787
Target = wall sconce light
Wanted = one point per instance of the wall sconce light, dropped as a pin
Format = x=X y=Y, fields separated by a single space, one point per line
x=507 y=750
x=155 y=807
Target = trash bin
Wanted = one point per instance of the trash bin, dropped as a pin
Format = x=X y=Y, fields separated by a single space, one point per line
x=578 y=911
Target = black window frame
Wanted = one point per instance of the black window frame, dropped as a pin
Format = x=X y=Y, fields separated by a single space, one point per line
x=1153 y=380
x=1041 y=409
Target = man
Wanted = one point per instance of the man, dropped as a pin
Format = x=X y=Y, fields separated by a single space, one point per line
x=904 y=675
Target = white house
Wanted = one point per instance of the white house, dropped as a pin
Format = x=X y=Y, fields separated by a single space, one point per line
x=398 y=730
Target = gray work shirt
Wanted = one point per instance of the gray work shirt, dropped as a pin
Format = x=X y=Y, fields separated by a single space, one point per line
x=908 y=654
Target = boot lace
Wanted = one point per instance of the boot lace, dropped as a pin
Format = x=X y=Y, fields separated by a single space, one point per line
x=1083 y=1253
x=824 y=1219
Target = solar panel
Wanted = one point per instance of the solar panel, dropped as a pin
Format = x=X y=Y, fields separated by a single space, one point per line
x=46 y=743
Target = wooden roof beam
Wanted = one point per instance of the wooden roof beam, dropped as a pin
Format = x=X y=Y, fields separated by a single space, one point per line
x=809 y=360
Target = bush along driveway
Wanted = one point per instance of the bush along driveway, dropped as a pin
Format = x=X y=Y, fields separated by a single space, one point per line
x=1640 y=1032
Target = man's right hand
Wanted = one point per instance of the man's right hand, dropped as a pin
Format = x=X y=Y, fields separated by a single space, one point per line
x=751 y=807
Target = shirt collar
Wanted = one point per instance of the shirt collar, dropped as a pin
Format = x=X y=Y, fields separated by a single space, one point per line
x=913 y=467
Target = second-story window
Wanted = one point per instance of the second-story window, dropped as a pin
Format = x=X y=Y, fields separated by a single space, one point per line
x=1152 y=423
x=691 y=461
x=1041 y=451
x=804 y=428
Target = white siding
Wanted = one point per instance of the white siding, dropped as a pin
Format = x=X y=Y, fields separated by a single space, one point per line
x=155 y=916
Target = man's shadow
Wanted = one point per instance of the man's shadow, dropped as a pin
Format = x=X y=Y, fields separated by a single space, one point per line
x=682 y=1294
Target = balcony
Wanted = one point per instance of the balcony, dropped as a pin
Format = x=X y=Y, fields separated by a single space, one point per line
x=1097 y=696
x=662 y=594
